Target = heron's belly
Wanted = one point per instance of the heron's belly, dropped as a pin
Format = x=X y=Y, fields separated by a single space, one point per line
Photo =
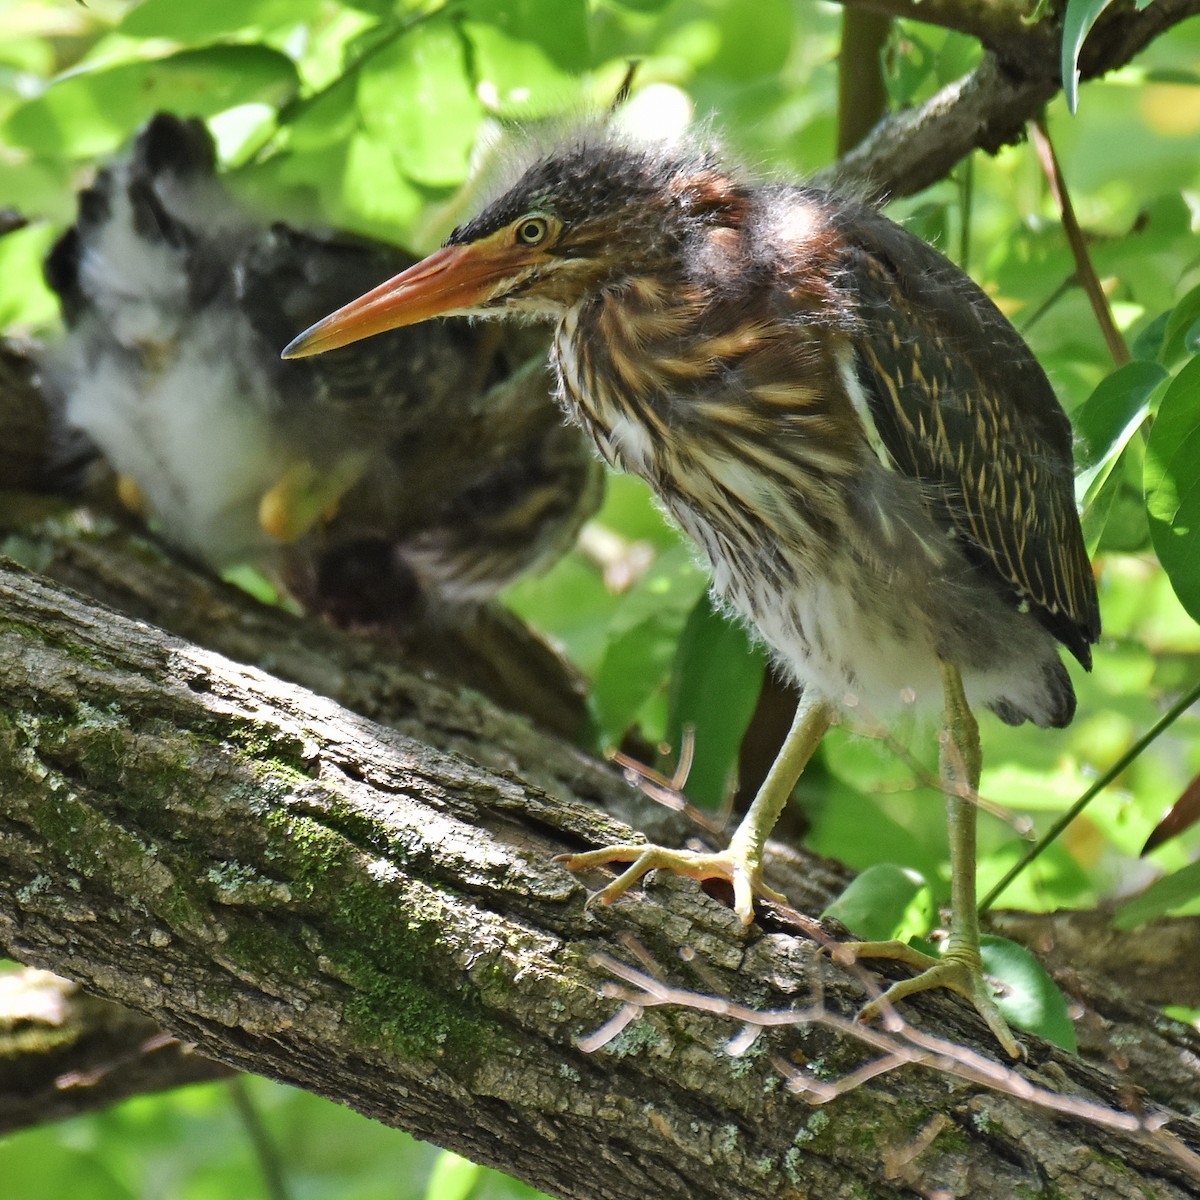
x=864 y=657
x=872 y=641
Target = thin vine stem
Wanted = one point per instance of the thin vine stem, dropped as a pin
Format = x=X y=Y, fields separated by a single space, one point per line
x=265 y=1150
x=1161 y=725
x=1085 y=269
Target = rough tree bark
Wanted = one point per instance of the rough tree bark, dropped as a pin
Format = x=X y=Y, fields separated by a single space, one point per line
x=311 y=896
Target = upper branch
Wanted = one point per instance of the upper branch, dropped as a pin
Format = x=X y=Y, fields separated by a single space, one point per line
x=990 y=107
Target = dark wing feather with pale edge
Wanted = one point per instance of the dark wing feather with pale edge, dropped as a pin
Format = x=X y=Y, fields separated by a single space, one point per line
x=961 y=404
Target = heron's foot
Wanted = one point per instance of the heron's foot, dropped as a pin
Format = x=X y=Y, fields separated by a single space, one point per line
x=131 y=496
x=304 y=496
x=741 y=869
x=959 y=970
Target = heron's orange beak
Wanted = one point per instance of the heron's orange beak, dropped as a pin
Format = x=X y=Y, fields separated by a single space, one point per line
x=449 y=280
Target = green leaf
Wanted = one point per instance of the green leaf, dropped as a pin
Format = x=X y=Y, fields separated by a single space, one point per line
x=1109 y=417
x=528 y=53
x=414 y=97
x=756 y=39
x=214 y=20
x=1030 y=999
x=25 y=300
x=452 y=1178
x=634 y=667
x=644 y=634
x=1181 y=337
x=1080 y=16
x=327 y=118
x=373 y=195
x=1161 y=897
x=1172 y=482
x=883 y=902
x=1114 y=521
x=1148 y=342
x=715 y=682
x=91 y=112
x=641 y=6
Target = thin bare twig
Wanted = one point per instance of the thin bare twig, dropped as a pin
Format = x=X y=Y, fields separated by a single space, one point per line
x=1085 y=270
x=898 y=1044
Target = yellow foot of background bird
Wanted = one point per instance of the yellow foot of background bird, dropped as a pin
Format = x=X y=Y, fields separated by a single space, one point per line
x=740 y=870
x=959 y=970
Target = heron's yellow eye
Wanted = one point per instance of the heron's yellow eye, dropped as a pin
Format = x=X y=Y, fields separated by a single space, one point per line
x=532 y=230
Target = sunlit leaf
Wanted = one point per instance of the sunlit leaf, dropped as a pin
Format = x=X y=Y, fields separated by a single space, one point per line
x=641 y=6
x=214 y=20
x=883 y=902
x=332 y=117
x=528 y=54
x=25 y=300
x=452 y=1178
x=92 y=112
x=374 y=194
x=715 y=683
x=414 y=96
x=756 y=39
x=1172 y=475
x=1029 y=998
x=1160 y=898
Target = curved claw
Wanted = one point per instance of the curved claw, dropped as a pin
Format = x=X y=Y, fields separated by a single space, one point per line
x=957 y=971
x=740 y=870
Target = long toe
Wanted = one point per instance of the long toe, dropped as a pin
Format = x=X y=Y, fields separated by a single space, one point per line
x=956 y=975
x=743 y=871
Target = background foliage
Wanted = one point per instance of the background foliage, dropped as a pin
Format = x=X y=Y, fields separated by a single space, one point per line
x=370 y=115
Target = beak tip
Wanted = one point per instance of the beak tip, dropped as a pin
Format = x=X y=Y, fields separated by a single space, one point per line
x=296 y=347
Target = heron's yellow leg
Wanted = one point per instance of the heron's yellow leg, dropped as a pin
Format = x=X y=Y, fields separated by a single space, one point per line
x=960 y=967
x=741 y=862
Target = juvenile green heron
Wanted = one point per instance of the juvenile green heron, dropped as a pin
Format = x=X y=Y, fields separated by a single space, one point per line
x=868 y=454
x=432 y=464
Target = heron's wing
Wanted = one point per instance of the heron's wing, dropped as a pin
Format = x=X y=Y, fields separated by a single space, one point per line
x=961 y=403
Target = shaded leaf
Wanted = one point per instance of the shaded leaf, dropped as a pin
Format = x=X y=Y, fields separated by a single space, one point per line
x=643 y=636
x=715 y=683
x=1148 y=343
x=1161 y=897
x=634 y=667
x=1181 y=337
x=1172 y=482
x=1109 y=417
x=883 y=902
x=1029 y=998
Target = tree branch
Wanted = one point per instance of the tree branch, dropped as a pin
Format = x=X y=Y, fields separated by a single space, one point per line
x=63 y=1052
x=310 y=896
x=990 y=107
